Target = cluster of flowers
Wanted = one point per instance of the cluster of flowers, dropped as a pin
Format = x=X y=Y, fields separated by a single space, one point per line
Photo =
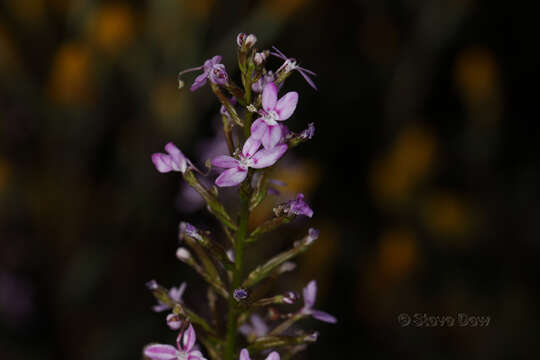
x=254 y=147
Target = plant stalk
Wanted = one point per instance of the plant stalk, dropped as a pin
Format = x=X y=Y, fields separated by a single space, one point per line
x=241 y=235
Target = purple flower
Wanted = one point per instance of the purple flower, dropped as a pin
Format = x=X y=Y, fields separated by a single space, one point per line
x=258 y=86
x=313 y=234
x=184 y=351
x=298 y=207
x=212 y=69
x=186 y=229
x=308 y=133
x=173 y=161
x=290 y=64
x=244 y=355
x=257 y=327
x=240 y=294
x=175 y=293
x=249 y=158
x=266 y=129
x=310 y=293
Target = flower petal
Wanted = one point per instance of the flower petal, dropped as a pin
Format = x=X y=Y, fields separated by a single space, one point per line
x=310 y=293
x=258 y=128
x=251 y=146
x=286 y=105
x=231 y=177
x=267 y=157
x=160 y=307
x=269 y=96
x=189 y=338
x=244 y=355
x=225 y=161
x=322 y=316
x=260 y=327
x=160 y=352
x=199 y=81
x=162 y=162
x=272 y=136
x=302 y=72
x=179 y=160
x=195 y=355
x=273 y=356
x=181 y=290
x=216 y=59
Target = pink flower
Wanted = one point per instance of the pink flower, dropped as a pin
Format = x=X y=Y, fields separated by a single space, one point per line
x=290 y=64
x=184 y=351
x=249 y=158
x=266 y=129
x=310 y=293
x=298 y=207
x=175 y=293
x=244 y=355
x=173 y=161
x=212 y=69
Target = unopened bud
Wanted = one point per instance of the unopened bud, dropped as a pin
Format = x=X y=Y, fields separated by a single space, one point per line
x=174 y=322
x=240 y=294
x=240 y=38
x=183 y=254
x=259 y=58
x=250 y=40
x=313 y=234
x=230 y=254
x=312 y=337
x=186 y=229
x=152 y=285
x=287 y=266
x=290 y=297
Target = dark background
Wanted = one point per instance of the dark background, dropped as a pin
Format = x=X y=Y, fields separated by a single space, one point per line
x=423 y=173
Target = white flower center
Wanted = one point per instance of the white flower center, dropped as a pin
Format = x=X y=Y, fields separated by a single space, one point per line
x=245 y=162
x=271 y=118
x=290 y=65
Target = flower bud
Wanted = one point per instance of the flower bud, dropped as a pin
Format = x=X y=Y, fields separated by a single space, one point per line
x=250 y=40
x=240 y=38
x=287 y=266
x=152 y=285
x=313 y=234
x=245 y=41
x=240 y=294
x=186 y=229
x=183 y=254
x=290 y=297
x=230 y=254
x=312 y=337
x=174 y=322
x=259 y=58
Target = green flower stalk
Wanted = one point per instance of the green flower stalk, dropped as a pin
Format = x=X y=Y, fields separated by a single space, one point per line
x=254 y=147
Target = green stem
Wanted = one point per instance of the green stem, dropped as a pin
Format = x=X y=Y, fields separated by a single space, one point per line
x=241 y=234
